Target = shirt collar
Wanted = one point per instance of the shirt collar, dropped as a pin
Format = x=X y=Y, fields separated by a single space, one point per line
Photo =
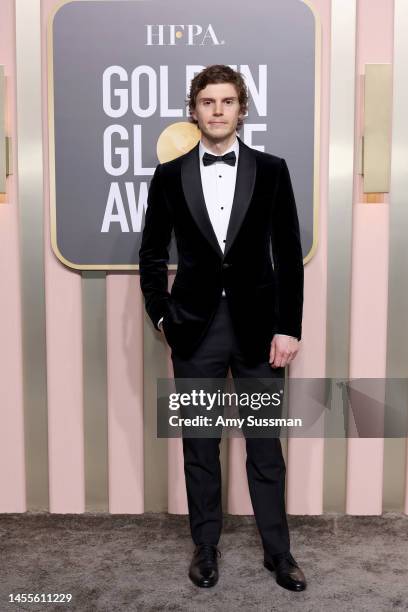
x=233 y=147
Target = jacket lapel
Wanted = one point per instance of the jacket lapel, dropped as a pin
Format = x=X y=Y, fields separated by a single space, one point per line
x=244 y=188
x=193 y=192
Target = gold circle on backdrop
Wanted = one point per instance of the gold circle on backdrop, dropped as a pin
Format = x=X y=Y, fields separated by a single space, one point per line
x=177 y=139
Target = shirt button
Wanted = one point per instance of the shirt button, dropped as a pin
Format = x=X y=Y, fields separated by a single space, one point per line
x=222 y=208
x=220 y=176
x=223 y=240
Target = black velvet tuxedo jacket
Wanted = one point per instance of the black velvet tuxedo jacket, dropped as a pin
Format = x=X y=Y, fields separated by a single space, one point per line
x=261 y=268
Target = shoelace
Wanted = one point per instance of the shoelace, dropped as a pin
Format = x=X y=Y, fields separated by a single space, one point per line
x=208 y=553
x=286 y=563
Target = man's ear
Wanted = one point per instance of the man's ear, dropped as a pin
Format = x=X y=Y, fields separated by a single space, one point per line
x=242 y=113
x=193 y=114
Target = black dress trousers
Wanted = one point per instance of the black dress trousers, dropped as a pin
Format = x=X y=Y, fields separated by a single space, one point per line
x=265 y=464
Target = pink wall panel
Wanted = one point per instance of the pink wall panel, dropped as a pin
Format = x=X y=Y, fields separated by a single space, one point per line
x=64 y=349
x=368 y=329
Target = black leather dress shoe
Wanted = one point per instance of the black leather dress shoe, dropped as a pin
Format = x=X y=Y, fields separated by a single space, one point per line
x=288 y=573
x=204 y=565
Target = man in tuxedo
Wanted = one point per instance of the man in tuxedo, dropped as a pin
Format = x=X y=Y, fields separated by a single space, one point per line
x=236 y=300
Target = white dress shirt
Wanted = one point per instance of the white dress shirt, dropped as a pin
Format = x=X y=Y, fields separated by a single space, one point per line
x=218 y=181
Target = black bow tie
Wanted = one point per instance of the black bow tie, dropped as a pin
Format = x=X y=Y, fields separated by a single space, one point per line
x=228 y=158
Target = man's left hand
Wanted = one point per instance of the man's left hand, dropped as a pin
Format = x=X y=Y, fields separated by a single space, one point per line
x=283 y=350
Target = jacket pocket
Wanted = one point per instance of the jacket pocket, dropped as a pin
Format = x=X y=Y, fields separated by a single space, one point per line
x=180 y=286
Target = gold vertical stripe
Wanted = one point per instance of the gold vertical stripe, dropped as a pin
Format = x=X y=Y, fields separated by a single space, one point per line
x=31 y=198
x=397 y=346
x=394 y=474
x=95 y=391
x=2 y=132
x=155 y=449
x=377 y=123
x=317 y=128
x=397 y=332
x=339 y=228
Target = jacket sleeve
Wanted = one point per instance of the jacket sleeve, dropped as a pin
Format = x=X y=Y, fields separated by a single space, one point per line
x=154 y=250
x=288 y=258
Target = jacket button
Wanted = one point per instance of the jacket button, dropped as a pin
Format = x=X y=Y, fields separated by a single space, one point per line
x=226 y=265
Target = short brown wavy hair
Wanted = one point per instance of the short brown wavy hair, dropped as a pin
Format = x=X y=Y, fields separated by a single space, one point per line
x=218 y=73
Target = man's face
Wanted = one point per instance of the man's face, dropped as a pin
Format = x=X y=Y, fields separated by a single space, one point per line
x=217 y=111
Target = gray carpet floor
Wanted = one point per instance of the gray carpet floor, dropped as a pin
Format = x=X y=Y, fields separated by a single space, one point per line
x=140 y=562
